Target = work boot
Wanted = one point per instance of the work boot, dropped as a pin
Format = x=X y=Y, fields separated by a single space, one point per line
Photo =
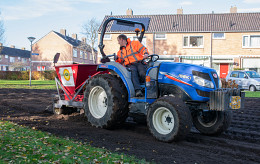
x=138 y=93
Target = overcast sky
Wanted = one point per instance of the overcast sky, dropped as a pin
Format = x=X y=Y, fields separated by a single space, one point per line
x=24 y=18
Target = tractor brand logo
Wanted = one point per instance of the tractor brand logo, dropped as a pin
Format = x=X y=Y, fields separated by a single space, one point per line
x=184 y=76
x=174 y=78
x=215 y=75
x=103 y=66
x=66 y=74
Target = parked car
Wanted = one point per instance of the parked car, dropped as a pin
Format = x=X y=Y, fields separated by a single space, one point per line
x=249 y=80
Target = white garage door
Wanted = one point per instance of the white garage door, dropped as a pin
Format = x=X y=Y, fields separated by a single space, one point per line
x=251 y=63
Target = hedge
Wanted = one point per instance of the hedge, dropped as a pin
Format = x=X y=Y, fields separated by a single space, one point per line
x=24 y=75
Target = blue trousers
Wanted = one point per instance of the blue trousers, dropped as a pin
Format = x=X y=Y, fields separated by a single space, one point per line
x=138 y=71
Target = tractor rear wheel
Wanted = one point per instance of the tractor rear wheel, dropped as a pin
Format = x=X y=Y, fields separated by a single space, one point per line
x=211 y=122
x=169 y=119
x=105 y=101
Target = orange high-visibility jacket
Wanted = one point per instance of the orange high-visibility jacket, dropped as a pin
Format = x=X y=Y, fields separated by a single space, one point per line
x=133 y=52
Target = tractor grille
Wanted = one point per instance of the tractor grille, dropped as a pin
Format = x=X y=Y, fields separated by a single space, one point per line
x=203 y=93
x=215 y=79
x=202 y=75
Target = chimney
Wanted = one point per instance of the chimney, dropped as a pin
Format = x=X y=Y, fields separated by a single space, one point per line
x=75 y=36
x=23 y=48
x=129 y=12
x=12 y=46
x=63 y=32
x=180 y=11
x=233 y=9
x=84 y=40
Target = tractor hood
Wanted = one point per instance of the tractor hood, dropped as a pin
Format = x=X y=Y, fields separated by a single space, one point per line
x=189 y=77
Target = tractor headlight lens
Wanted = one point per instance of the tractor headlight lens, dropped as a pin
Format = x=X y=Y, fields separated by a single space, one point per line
x=203 y=82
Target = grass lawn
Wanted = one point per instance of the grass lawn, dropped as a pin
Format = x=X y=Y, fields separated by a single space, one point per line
x=252 y=94
x=19 y=144
x=36 y=84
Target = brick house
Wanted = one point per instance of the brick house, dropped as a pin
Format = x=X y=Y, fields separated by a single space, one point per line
x=13 y=59
x=71 y=50
x=222 y=41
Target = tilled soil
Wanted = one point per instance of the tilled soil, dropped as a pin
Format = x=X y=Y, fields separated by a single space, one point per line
x=239 y=144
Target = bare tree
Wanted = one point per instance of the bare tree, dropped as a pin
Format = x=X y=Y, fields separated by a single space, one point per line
x=90 y=30
x=2 y=31
x=18 y=66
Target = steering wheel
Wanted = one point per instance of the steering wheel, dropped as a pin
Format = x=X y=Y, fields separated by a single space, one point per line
x=150 y=59
x=106 y=58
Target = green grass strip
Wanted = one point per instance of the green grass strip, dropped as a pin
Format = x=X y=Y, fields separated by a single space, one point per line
x=35 y=84
x=19 y=144
x=252 y=94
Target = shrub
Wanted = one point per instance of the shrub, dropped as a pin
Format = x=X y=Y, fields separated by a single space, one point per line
x=229 y=83
x=24 y=75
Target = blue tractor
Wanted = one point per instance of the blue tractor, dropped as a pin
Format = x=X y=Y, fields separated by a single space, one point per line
x=177 y=95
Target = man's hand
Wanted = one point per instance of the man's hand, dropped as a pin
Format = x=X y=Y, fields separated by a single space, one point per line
x=146 y=55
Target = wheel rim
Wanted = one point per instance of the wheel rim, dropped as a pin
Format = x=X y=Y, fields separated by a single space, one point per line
x=97 y=102
x=208 y=119
x=163 y=120
x=251 y=88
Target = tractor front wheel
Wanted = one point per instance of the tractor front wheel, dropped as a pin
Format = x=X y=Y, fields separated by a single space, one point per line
x=169 y=119
x=211 y=122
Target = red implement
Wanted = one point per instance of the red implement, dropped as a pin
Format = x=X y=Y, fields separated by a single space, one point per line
x=72 y=77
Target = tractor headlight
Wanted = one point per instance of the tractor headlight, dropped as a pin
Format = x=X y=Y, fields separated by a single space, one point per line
x=203 y=82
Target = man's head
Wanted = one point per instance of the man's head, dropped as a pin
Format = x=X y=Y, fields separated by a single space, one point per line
x=122 y=40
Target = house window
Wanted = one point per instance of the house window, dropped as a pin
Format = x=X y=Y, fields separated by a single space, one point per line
x=193 y=41
x=86 y=55
x=90 y=56
x=24 y=60
x=251 y=41
x=218 y=35
x=6 y=56
x=41 y=68
x=107 y=37
x=136 y=38
x=160 y=36
x=19 y=58
x=12 y=59
x=75 y=53
x=81 y=54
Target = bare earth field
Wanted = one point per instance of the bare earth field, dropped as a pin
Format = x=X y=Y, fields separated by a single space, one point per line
x=240 y=144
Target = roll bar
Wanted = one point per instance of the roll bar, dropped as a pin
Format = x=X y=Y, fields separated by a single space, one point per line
x=123 y=22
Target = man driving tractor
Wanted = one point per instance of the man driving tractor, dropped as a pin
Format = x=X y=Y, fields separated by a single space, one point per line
x=130 y=55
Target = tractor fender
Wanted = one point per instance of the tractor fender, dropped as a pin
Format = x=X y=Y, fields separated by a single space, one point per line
x=122 y=72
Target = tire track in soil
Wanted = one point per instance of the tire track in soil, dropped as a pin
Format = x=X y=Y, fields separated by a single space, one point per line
x=239 y=144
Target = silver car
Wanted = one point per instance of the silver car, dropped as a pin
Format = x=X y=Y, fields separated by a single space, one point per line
x=249 y=80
